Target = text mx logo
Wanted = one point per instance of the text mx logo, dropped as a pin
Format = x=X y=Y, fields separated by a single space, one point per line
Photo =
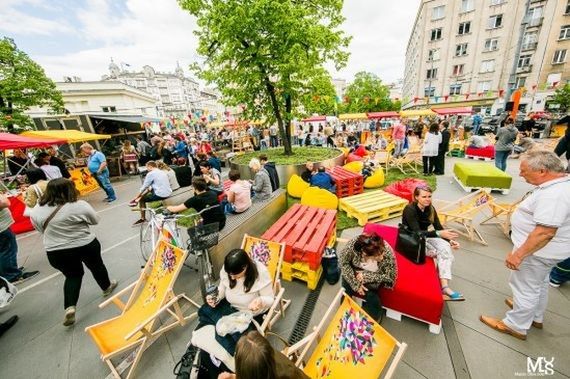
x=539 y=367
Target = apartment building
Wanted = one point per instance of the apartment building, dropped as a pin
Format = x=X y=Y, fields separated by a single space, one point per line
x=475 y=52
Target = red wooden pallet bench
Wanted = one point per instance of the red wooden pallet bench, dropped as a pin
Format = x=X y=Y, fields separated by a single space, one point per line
x=347 y=183
x=305 y=231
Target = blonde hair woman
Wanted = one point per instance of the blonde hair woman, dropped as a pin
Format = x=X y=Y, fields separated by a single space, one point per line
x=171 y=175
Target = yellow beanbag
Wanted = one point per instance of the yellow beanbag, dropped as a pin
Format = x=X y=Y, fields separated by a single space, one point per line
x=320 y=198
x=355 y=167
x=375 y=180
x=296 y=186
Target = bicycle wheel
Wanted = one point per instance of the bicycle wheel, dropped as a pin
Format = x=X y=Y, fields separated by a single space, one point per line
x=148 y=237
x=207 y=280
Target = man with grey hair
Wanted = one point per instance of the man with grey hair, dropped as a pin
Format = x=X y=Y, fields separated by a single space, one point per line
x=97 y=165
x=541 y=239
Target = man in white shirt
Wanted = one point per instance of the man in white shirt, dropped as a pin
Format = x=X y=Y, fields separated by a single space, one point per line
x=541 y=239
x=154 y=188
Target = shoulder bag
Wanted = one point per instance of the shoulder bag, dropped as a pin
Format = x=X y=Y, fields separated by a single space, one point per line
x=51 y=216
x=411 y=244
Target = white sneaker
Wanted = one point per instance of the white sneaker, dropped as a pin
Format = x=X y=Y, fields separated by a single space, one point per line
x=69 y=316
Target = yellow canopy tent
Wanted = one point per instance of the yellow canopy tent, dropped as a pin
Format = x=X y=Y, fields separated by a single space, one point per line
x=71 y=136
x=353 y=116
x=417 y=113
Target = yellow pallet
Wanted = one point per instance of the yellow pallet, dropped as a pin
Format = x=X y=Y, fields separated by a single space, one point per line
x=372 y=206
x=332 y=240
x=300 y=270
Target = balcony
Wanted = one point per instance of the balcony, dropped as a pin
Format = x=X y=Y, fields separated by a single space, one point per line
x=529 y=46
x=526 y=68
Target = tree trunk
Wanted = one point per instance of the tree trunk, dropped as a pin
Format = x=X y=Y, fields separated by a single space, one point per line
x=286 y=133
x=275 y=105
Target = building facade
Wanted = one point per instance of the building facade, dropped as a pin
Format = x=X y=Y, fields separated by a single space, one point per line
x=476 y=52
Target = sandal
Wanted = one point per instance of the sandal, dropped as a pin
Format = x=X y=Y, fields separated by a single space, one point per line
x=454 y=296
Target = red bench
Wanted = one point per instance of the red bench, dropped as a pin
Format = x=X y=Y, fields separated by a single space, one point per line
x=417 y=293
x=483 y=153
x=347 y=183
x=305 y=231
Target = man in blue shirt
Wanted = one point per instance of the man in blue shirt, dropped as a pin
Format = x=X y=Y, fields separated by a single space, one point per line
x=324 y=180
x=154 y=188
x=97 y=165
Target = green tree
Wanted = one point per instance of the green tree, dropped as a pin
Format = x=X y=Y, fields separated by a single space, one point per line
x=367 y=94
x=320 y=96
x=562 y=97
x=23 y=84
x=263 y=53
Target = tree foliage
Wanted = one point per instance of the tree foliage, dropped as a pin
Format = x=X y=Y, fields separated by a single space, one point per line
x=320 y=96
x=23 y=84
x=367 y=94
x=562 y=97
x=262 y=54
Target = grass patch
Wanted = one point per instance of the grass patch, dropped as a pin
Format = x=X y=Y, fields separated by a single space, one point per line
x=300 y=155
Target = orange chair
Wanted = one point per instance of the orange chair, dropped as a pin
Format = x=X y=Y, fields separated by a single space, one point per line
x=138 y=325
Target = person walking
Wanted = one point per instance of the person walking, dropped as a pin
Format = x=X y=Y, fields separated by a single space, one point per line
x=442 y=149
x=273 y=136
x=430 y=148
x=65 y=224
x=506 y=136
x=398 y=136
x=97 y=165
x=477 y=119
x=541 y=235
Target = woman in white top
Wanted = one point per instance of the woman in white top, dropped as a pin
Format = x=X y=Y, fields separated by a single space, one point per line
x=430 y=148
x=244 y=286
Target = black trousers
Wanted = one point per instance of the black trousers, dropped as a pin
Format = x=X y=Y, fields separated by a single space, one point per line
x=429 y=164
x=440 y=163
x=372 y=303
x=70 y=263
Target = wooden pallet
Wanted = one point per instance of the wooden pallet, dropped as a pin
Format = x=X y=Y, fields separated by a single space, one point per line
x=347 y=183
x=372 y=206
x=465 y=188
x=476 y=157
x=301 y=271
x=305 y=231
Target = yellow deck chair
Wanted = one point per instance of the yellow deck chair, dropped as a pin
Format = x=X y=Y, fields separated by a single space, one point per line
x=337 y=356
x=462 y=213
x=501 y=215
x=271 y=255
x=138 y=325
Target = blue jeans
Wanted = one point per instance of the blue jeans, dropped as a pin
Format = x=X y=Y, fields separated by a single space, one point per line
x=501 y=159
x=105 y=184
x=9 y=256
x=476 y=128
x=561 y=272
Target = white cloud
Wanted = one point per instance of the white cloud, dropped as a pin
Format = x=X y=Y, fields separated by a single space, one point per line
x=14 y=21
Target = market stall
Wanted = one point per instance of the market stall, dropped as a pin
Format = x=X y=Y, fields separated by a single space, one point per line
x=353 y=116
x=381 y=115
x=417 y=113
x=453 y=111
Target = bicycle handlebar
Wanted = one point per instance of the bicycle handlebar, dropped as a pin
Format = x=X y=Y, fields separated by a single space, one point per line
x=165 y=212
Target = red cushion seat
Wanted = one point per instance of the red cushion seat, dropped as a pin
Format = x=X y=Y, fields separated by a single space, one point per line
x=405 y=188
x=417 y=292
x=485 y=152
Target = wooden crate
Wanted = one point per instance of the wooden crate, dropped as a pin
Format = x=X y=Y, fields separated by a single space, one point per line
x=305 y=231
x=347 y=183
x=301 y=271
x=372 y=206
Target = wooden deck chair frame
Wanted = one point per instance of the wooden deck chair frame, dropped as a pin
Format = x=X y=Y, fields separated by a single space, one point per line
x=305 y=344
x=280 y=304
x=384 y=159
x=408 y=162
x=501 y=215
x=148 y=328
x=462 y=212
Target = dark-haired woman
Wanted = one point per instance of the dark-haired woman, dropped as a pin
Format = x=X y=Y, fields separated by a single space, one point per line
x=69 y=242
x=244 y=286
x=421 y=216
x=367 y=263
x=38 y=183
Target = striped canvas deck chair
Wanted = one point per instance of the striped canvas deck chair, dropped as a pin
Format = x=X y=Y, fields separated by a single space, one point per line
x=271 y=255
x=149 y=298
x=347 y=344
x=463 y=212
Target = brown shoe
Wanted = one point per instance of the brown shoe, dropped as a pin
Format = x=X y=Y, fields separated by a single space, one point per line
x=500 y=326
x=536 y=324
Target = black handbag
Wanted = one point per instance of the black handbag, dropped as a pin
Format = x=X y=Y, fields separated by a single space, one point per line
x=411 y=244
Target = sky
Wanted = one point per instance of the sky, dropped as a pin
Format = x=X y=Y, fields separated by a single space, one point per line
x=79 y=37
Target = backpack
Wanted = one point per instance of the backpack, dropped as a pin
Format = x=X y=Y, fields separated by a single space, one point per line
x=273 y=177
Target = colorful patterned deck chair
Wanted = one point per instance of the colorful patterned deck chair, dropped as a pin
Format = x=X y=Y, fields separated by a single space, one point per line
x=462 y=213
x=138 y=325
x=271 y=255
x=348 y=345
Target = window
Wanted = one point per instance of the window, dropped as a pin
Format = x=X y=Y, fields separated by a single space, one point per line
x=467 y=5
x=495 y=21
x=497 y=2
x=455 y=89
x=464 y=27
x=431 y=73
x=433 y=55
x=109 y=108
x=488 y=65
x=534 y=13
x=461 y=49
x=458 y=69
x=530 y=40
x=429 y=91
x=520 y=82
x=491 y=44
x=484 y=86
x=567 y=8
x=559 y=56
x=524 y=61
x=564 y=32
x=438 y=12
x=435 y=34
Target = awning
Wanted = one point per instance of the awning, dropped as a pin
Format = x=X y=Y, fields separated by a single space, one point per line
x=353 y=116
x=10 y=141
x=315 y=119
x=417 y=113
x=450 y=111
x=68 y=135
x=133 y=119
x=378 y=115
